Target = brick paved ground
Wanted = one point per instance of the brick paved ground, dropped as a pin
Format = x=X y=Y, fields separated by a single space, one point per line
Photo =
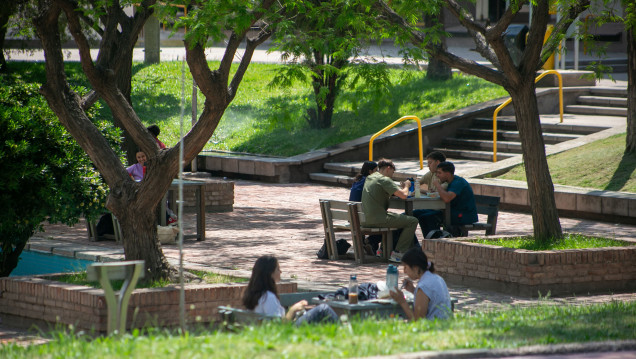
x=284 y=220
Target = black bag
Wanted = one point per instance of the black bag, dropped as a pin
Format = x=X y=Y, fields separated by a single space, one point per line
x=105 y=225
x=342 y=245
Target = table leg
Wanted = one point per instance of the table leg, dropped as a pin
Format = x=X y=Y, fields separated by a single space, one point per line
x=408 y=208
x=447 y=215
x=200 y=213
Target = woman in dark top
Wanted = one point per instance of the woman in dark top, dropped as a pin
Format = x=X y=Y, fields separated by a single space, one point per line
x=358 y=183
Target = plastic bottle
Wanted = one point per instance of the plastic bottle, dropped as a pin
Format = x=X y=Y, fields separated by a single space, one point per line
x=412 y=188
x=353 y=290
x=391 y=277
x=417 y=189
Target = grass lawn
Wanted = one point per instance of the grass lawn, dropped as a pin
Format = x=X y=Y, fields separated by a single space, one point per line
x=600 y=165
x=271 y=121
x=510 y=328
x=569 y=241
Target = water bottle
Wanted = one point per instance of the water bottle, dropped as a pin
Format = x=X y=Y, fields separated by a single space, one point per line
x=417 y=189
x=412 y=188
x=391 y=277
x=353 y=290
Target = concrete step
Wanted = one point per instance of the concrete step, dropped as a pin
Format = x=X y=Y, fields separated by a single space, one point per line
x=602 y=101
x=342 y=169
x=472 y=155
x=609 y=91
x=509 y=124
x=476 y=133
x=480 y=145
x=596 y=110
x=331 y=179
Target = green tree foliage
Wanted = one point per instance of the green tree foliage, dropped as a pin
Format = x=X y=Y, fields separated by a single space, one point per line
x=324 y=43
x=45 y=174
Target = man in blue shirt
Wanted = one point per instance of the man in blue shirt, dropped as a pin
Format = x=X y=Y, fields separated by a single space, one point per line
x=458 y=193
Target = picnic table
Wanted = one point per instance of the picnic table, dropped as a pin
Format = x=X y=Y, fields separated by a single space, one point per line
x=424 y=202
x=367 y=308
x=200 y=206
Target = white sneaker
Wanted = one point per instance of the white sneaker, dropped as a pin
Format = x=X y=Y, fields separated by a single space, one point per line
x=395 y=257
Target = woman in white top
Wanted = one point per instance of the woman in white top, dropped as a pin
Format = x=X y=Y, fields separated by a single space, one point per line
x=261 y=296
x=432 y=299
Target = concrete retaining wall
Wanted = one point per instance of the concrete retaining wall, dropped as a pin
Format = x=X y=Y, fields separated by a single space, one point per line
x=526 y=273
x=26 y=301
x=616 y=207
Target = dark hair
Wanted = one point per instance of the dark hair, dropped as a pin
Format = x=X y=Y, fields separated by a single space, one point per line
x=154 y=129
x=261 y=281
x=437 y=156
x=448 y=167
x=366 y=169
x=385 y=163
x=415 y=257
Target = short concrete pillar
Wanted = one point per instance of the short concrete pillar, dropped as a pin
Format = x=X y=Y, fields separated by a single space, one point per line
x=152 y=41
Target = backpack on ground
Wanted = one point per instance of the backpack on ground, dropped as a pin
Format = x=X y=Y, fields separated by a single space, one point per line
x=342 y=245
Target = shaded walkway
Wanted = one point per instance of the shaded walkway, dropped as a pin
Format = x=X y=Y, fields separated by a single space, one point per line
x=284 y=220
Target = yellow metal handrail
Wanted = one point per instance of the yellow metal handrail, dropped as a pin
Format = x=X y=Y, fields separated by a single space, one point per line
x=419 y=136
x=508 y=101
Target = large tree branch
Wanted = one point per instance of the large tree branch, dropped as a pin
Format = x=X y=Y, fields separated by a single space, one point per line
x=538 y=26
x=245 y=61
x=102 y=76
x=419 y=39
x=66 y=104
x=567 y=18
x=464 y=17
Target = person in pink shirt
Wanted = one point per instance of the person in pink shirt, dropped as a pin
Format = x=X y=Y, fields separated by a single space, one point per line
x=138 y=170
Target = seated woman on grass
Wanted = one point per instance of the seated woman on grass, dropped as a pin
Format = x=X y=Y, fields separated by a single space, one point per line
x=432 y=299
x=261 y=296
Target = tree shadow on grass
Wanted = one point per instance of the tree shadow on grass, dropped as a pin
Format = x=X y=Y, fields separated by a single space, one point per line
x=623 y=173
x=598 y=323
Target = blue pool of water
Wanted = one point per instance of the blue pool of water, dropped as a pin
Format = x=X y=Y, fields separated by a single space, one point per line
x=44 y=263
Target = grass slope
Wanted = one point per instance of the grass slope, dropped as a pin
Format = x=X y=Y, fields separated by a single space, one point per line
x=271 y=120
x=600 y=165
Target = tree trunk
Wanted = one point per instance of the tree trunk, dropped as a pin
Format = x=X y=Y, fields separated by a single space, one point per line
x=545 y=217
x=124 y=83
x=6 y=11
x=437 y=69
x=139 y=228
x=324 y=106
x=630 y=143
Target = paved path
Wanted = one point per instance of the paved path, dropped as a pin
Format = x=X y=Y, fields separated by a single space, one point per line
x=284 y=220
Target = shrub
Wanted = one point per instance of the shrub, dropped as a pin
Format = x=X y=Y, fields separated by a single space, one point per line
x=45 y=174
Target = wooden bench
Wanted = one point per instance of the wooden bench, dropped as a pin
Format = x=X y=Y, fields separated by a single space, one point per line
x=488 y=205
x=346 y=216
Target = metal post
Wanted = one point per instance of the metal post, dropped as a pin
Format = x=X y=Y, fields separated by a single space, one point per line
x=117 y=303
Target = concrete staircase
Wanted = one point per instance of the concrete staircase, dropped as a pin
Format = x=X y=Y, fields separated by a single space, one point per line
x=474 y=143
x=601 y=101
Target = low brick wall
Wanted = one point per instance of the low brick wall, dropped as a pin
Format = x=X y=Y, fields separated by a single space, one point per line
x=526 y=273
x=26 y=301
x=219 y=195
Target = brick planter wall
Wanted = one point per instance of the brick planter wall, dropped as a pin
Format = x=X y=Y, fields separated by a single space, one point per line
x=219 y=195
x=527 y=273
x=26 y=301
